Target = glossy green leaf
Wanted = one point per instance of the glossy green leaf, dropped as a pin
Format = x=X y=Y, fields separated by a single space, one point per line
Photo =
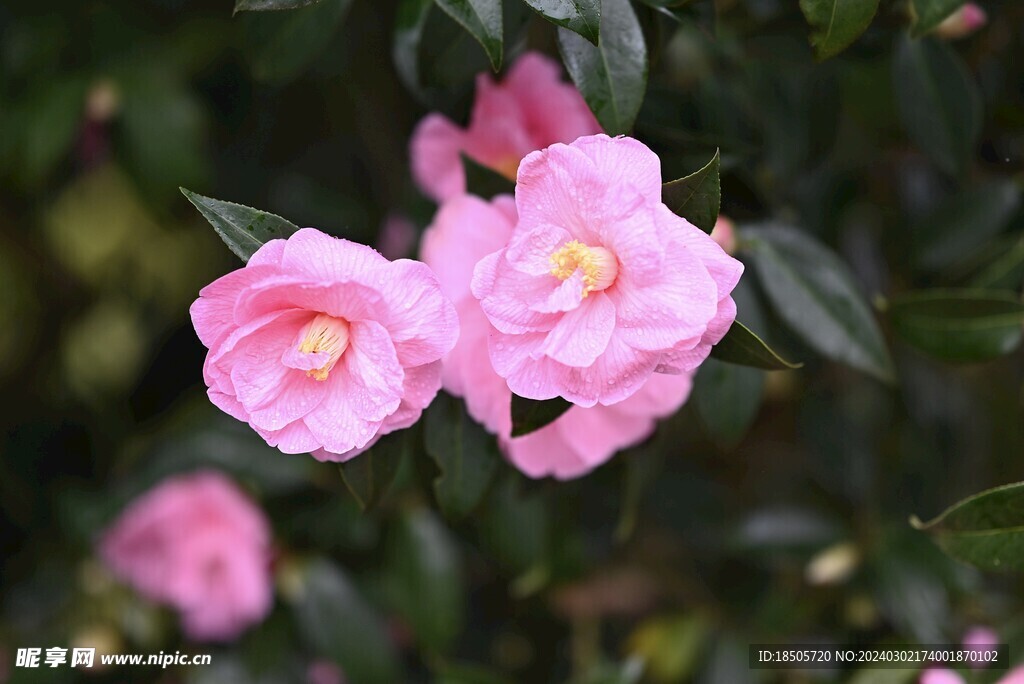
x=727 y=398
x=930 y=13
x=341 y=626
x=986 y=530
x=410 y=21
x=369 y=475
x=581 y=16
x=965 y=221
x=243 y=229
x=835 y=24
x=483 y=20
x=696 y=197
x=813 y=291
x=484 y=181
x=282 y=45
x=938 y=102
x=270 y=5
x=611 y=76
x=424 y=579
x=529 y=414
x=959 y=325
x=465 y=453
x=741 y=346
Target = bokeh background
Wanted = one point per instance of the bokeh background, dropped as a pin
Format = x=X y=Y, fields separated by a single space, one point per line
x=774 y=507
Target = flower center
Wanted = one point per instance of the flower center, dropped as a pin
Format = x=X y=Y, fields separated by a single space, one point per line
x=327 y=336
x=598 y=265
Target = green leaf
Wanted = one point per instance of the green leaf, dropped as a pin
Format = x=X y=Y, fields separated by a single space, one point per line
x=424 y=579
x=986 y=530
x=963 y=222
x=341 y=626
x=742 y=347
x=483 y=19
x=369 y=475
x=727 y=398
x=959 y=325
x=814 y=292
x=1006 y=272
x=484 y=181
x=529 y=415
x=835 y=24
x=243 y=229
x=267 y=5
x=410 y=20
x=696 y=197
x=581 y=16
x=612 y=76
x=938 y=102
x=464 y=452
x=930 y=13
x=281 y=46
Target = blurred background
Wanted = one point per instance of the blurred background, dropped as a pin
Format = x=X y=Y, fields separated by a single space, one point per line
x=774 y=507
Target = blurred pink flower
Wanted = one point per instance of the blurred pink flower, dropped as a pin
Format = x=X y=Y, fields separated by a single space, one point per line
x=324 y=672
x=466 y=229
x=397 y=237
x=600 y=284
x=197 y=543
x=529 y=110
x=963 y=22
x=1014 y=676
x=323 y=345
x=724 y=233
x=935 y=675
x=980 y=639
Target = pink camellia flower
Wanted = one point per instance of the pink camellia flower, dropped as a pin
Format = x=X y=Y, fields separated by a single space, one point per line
x=323 y=345
x=600 y=284
x=197 y=543
x=465 y=230
x=529 y=110
x=963 y=22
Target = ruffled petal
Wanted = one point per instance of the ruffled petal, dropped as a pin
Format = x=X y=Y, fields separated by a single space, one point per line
x=213 y=312
x=420 y=319
x=582 y=334
x=375 y=377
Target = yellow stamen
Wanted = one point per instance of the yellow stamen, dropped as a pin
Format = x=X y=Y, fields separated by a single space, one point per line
x=325 y=334
x=599 y=265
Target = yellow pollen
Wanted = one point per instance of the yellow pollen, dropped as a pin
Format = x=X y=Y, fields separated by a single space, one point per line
x=598 y=265
x=325 y=334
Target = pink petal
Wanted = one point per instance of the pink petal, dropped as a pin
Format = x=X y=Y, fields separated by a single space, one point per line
x=505 y=294
x=343 y=299
x=725 y=270
x=420 y=388
x=544 y=452
x=465 y=230
x=467 y=372
x=624 y=161
x=560 y=186
x=554 y=111
x=297 y=395
x=675 y=306
x=294 y=438
x=582 y=335
x=420 y=319
x=375 y=377
x=683 y=359
x=335 y=425
x=661 y=396
x=435 y=150
x=326 y=259
x=213 y=313
x=529 y=251
x=268 y=255
x=497 y=136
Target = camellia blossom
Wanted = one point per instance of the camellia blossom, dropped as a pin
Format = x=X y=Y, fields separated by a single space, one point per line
x=323 y=345
x=529 y=110
x=465 y=230
x=600 y=284
x=196 y=543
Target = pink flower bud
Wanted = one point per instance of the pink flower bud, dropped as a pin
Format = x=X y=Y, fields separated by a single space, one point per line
x=962 y=22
